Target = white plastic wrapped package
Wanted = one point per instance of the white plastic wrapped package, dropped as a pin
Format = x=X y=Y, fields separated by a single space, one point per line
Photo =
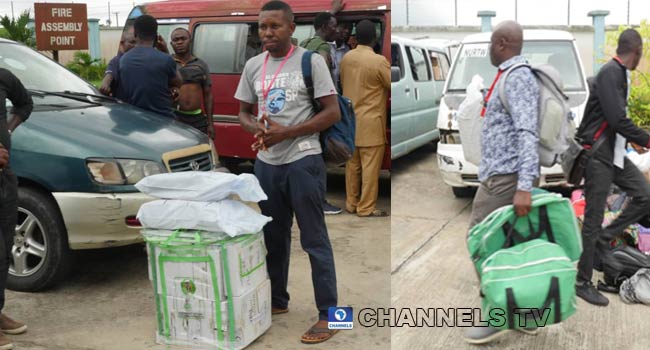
x=642 y=161
x=228 y=216
x=470 y=121
x=202 y=186
x=636 y=289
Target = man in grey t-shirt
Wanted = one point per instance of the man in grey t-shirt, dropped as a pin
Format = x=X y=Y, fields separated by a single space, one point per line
x=289 y=163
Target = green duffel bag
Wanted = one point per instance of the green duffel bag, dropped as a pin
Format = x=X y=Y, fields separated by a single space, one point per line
x=529 y=285
x=551 y=218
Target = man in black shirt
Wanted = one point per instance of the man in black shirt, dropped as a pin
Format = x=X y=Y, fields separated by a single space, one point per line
x=606 y=128
x=196 y=92
x=10 y=88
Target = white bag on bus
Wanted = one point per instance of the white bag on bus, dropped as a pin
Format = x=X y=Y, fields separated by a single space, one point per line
x=470 y=121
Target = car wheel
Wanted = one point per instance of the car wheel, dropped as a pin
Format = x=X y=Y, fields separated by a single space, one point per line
x=463 y=192
x=40 y=254
x=434 y=143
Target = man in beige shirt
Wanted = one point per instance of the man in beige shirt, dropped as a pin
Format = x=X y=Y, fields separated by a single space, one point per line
x=365 y=78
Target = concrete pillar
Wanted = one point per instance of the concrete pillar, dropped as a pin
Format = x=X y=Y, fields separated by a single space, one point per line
x=598 y=18
x=93 y=38
x=486 y=20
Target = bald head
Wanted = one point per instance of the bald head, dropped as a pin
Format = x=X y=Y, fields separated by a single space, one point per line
x=506 y=42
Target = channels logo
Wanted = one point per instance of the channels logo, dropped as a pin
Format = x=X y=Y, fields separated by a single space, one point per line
x=339 y=318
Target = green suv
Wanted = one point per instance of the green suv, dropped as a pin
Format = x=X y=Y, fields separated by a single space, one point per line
x=77 y=158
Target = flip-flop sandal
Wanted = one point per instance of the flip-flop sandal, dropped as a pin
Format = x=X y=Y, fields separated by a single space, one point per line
x=279 y=311
x=316 y=330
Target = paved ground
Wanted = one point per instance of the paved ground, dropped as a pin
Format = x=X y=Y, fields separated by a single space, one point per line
x=430 y=268
x=107 y=302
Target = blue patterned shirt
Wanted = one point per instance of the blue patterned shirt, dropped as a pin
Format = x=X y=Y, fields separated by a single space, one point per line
x=509 y=141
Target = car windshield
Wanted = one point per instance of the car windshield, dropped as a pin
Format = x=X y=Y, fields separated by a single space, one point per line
x=38 y=72
x=475 y=59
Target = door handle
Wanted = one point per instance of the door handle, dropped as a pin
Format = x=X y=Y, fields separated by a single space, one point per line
x=407 y=90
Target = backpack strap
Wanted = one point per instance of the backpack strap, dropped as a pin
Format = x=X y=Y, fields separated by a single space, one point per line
x=541 y=76
x=502 y=84
x=308 y=78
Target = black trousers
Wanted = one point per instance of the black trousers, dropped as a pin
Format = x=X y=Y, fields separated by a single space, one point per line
x=297 y=187
x=8 y=218
x=598 y=180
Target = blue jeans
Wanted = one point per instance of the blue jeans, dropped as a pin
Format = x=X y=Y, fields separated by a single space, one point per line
x=297 y=187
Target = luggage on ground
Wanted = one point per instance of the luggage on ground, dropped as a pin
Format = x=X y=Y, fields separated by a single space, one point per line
x=636 y=289
x=630 y=261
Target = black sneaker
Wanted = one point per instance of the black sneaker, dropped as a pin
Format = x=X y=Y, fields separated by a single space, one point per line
x=590 y=294
x=329 y=209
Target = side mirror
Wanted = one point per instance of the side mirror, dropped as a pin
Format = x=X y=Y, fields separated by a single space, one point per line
x=395 y=74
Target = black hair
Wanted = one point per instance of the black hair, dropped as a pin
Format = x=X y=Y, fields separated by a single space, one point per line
x=277 y=5
x=322 y=19
x=184 y=29
x=366 y=32
x=628 y=42
x=145 y=27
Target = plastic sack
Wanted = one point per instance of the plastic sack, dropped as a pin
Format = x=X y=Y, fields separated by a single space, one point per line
x=470 y=121
x=228 y=216
x=636 y=289
x=202 y=186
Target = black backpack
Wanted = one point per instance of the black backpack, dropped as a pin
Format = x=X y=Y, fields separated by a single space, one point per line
x=337 y=141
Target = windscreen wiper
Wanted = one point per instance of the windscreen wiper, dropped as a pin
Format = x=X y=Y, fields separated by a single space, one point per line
x=103 y=97
x=81 y=98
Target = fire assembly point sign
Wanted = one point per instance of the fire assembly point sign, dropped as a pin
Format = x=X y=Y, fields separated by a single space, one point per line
x=61 y=26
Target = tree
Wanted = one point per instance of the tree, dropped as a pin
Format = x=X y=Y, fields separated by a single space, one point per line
x=17 y=30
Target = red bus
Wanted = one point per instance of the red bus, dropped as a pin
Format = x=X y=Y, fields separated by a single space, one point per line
x=224 y=35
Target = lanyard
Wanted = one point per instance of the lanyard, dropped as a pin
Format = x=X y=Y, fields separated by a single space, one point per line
x=265 y=91
x=619 y=60
x=489 y=93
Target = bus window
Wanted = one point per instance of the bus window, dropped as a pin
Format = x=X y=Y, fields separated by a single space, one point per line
x=226 y=47
x=222 y=46
x=304 y=32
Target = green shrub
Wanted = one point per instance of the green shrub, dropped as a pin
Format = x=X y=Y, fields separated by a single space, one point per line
x=86 y=67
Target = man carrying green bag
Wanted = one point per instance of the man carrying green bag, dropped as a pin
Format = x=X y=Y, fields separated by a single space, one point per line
x=508 y=170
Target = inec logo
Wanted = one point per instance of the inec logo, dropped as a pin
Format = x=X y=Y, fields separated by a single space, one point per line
x=339 y=318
